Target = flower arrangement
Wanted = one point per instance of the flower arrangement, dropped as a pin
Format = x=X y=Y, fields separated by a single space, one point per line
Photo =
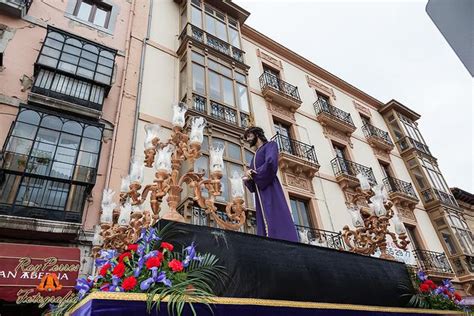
x=432 y=296
x=152 y=266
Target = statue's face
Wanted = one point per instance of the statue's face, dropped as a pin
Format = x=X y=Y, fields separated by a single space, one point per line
x=251 y=139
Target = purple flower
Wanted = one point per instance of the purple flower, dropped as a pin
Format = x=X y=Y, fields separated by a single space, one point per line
x=422 y=276
x=153 y=253
x=190 y=255
x=145 y=285
x=83 y=286
x=105 y=256
x=115 y=287
x=163 y=279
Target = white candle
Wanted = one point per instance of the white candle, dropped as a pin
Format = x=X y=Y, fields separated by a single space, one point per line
x=125 y=185
x=136 y=172
x=217 y=162
x=237 y=185
x=356 y=218
x=151 y=132
x=97 y=238
x=399 y=227
x=197 y=130
x=107 y=206
x=125 y=212
x=364 y=181
x=179 y=110
x=163 y=159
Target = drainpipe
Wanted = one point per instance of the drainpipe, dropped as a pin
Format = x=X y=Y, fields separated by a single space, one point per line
x=122 y=91
x=140 y=83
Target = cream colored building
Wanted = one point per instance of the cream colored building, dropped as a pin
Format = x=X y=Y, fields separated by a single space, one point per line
x=328 y=131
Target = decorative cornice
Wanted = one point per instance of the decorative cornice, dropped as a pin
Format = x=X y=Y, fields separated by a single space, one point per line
x=362 y=108
x=271 y=60
x=314 y=84
x=311 y=68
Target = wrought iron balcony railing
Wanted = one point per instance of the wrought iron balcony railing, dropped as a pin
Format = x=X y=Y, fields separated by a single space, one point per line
x=296 y=148
x=393 y=185
x=372 y=131
x=68 y=88
x=244 y=120
x=432 y=261
x=342 y=166
x=17 y=8
x=268 y=80
x=433 y=194
x=41 y=197
x=202 y=36
x=200 y=218
x=406 y=143
x=320 y=237
x=224 y=113
x=322 y=107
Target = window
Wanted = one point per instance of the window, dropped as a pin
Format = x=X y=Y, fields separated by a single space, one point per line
x=219 y=85
x=233 y=161
x=77 y=56
x=411 y=129
x=1 y=59
x=448 y=240
x=74 y=69
x=434 y=175
x=50 y=163
x=300 y=212
x=462 y=233
x=216 y=23
x=284 y=138
x=385 y=169
x=323 y=101
x=95 y=12
x=365 y=119
x=411 y=231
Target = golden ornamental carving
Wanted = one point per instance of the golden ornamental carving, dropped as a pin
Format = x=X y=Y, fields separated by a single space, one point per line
x=117 y=229
x=372 y=222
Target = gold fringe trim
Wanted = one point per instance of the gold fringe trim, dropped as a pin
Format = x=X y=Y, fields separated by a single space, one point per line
x=265 y=302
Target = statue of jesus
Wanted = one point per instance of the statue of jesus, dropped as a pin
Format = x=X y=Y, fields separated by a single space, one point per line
x=273 y=215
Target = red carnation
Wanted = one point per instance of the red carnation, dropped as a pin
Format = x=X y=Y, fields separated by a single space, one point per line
x=431 y=284
x=424 y=287
x=119 y=270
x=457 y=296
x=166 y=245
x=104 y=269
x=132 y=247
x=124 y=255
x=154 y=262
x=129 y=283
x=176 y=265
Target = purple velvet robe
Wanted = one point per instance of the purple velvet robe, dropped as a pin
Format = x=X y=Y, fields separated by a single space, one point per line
x=273 y=215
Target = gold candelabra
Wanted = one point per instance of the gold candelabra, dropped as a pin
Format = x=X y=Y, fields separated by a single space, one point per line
x=372 y=221
x=117 y=228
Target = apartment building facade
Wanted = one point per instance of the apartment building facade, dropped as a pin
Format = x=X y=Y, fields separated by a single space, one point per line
x=327 y=130
x=68 y=78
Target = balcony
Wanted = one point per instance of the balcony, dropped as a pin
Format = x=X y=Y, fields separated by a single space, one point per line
x=463 y=267
x=435 y=264
x=377 y=138
x=407 y=145
x=40 y=197
x=280 y=92
x=296 y=155
x=73 y=71
x=320 y=237
x=346 y=172
x=431 y=197
x=331 y=116
x=15 y=8
x=400 y=192
x=219 y=112
x=195 y=34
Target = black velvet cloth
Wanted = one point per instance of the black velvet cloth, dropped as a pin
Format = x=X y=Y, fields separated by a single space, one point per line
x=265 y=268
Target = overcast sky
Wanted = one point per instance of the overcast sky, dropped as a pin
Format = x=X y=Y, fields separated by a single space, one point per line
x=388 y=49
